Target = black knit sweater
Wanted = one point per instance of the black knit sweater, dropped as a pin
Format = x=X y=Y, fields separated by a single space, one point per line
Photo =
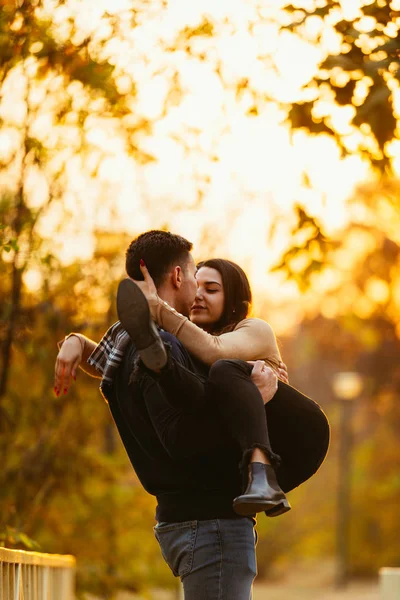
x=194 y=475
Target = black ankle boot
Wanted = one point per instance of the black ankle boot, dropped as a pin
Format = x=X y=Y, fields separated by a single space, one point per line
x=262 y=494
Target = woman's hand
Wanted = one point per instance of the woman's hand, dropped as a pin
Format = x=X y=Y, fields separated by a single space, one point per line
x=68 y=360
x=147 y=286
x=282 y=372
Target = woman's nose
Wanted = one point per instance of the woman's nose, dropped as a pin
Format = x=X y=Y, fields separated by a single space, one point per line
x=199 y=294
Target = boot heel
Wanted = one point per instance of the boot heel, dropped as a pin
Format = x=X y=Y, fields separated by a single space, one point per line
x=282 y=508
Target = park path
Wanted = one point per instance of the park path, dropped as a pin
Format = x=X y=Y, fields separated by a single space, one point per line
x=355 y=591
x=287 y=591
x=304 y=589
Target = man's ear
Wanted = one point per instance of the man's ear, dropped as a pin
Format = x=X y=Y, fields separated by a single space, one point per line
x=176 y=277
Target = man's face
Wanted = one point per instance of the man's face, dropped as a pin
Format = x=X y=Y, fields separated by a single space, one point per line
x=188 y=289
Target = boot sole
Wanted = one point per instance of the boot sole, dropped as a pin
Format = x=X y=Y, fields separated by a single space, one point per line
x=134 y=314
x=247 y=508
x=281 y=509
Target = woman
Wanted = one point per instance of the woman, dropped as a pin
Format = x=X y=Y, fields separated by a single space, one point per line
x=219 y=329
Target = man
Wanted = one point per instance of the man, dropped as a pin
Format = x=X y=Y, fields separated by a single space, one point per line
x=186 y=460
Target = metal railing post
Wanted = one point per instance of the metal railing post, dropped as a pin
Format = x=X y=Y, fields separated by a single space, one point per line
x=17 y=583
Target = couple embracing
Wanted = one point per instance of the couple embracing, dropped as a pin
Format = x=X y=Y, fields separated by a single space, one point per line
x=202 y=403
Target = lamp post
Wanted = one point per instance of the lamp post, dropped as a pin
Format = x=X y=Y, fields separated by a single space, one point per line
x=347 y=387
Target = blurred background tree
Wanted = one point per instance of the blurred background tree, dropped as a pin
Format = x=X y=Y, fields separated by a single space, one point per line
x=355 y=276
x=60 y=471
x=351 y=323
x=353 y=98
x=362 y=76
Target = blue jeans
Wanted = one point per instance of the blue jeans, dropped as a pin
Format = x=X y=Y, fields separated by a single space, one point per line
x=215 y=559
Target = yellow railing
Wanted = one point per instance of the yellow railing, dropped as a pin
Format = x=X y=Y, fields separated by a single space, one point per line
x=36 y=576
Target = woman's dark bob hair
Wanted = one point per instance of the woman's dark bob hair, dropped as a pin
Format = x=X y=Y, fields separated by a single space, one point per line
x=237 y=293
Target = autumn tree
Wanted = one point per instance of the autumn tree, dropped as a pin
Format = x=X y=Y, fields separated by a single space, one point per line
x=350 y=279
x=362 y=77
x=57 y=86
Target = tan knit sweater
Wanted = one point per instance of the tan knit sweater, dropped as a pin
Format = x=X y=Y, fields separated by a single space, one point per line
x=252 y=339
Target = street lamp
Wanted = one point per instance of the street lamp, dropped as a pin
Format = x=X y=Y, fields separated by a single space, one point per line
x=347 y=386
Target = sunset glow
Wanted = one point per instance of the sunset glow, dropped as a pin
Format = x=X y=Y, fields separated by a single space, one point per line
x=224 y=161
x=265 y=132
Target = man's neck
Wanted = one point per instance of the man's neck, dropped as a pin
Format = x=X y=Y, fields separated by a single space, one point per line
x=168 y=295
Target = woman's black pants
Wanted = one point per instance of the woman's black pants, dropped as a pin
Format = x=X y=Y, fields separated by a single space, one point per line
x=291 y=428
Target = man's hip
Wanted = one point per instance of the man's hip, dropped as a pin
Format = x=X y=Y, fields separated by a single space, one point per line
x=215 y=558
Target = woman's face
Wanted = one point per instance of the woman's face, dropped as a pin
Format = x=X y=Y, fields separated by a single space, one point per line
x=208 y=305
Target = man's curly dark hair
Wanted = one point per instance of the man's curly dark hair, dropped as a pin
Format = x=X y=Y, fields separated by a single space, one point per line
x=160 y=250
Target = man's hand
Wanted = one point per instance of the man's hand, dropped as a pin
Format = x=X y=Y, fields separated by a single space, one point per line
x=265 y=379
x=68 y=360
